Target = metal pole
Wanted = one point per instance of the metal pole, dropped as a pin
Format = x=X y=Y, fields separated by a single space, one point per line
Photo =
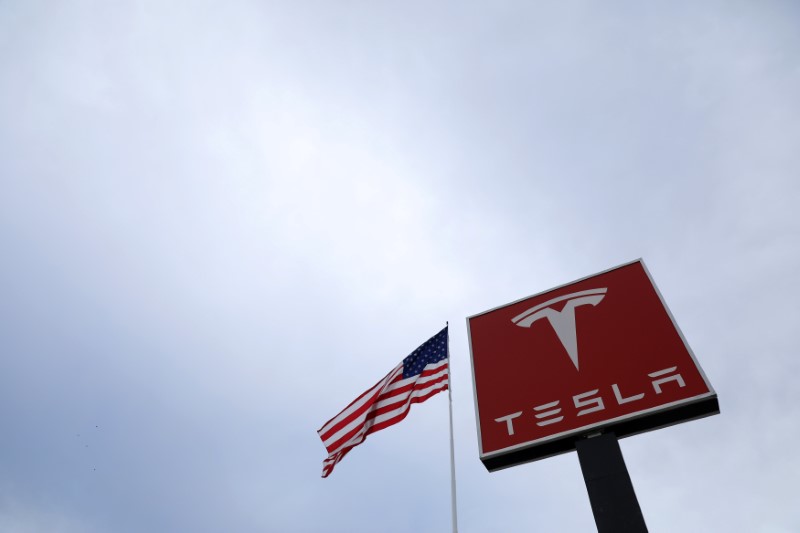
x=611 y=494
x=452 y=449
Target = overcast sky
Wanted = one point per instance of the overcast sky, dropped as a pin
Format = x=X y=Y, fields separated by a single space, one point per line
x=220 y=222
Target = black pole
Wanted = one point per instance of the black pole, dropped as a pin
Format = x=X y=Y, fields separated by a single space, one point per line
x=614 y=503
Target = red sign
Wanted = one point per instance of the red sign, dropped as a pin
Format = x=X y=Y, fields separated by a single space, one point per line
x=599 y=354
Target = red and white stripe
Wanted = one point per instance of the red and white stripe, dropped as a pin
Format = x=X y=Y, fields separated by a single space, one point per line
x=385 y=404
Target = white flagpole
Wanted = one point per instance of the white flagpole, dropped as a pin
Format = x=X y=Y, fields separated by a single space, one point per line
x=452 y=449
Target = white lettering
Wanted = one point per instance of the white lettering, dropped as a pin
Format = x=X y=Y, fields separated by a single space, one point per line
x=507 y=419
x=658 y=382
x=597 y=402
x=621 y=400
x=591 y=401
x=548 y=413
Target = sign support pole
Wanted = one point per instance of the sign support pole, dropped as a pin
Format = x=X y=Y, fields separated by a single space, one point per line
x=611 y=494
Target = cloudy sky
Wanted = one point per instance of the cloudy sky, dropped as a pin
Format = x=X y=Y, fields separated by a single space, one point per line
x=222 y=221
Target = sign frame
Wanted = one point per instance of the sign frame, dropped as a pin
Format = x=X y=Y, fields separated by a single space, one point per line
x=683 y=410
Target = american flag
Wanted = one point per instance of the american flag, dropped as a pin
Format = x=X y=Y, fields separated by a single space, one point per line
x=421 y=375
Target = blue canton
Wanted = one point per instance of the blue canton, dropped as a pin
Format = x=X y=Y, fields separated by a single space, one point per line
x=432 y=351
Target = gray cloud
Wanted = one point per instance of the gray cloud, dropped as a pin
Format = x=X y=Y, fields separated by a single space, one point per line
x=220 y=223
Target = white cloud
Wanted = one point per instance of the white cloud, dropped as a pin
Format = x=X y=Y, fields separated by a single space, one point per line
x=221 y=223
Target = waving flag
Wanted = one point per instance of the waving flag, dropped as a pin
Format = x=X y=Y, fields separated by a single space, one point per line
x=421 y=375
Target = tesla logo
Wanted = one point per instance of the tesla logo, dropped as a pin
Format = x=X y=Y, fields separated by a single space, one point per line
x=563 y=322
x=592 y=401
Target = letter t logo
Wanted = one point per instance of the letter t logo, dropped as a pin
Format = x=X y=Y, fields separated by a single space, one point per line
x=563 y=322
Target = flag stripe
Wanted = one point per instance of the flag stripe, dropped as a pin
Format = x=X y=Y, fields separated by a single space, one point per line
x=334 y=458
x=362 y=400
x=334 y=441
x=385 y=419
x=400 y=414
x=395 y=409
x=429 y=371
x=346 y=427
x=400 y=387
x=396 y=386
x=382 y=405
x=352 y=420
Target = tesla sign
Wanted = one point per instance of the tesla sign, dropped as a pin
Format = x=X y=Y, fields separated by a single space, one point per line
x=601 y=353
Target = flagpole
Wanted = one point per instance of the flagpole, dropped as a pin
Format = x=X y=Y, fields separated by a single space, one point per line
x=452 y=448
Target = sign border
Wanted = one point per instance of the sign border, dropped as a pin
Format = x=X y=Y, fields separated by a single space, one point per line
x=661 y=416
